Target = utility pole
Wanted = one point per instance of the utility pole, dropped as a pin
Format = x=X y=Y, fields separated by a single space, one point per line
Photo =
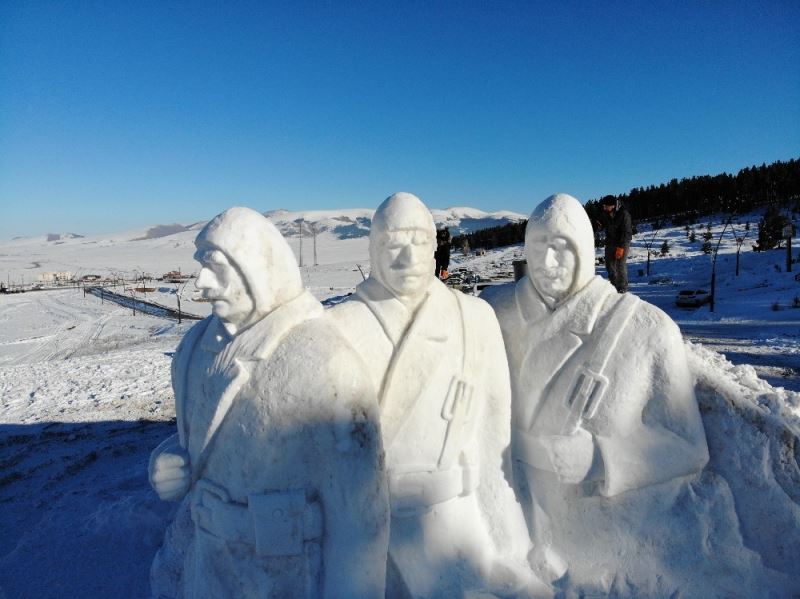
x=649 y=244
x=301 y=242
x=787 y=233
x=314 y=231
x=739 y=242
x=178 y=295
x=714 y=266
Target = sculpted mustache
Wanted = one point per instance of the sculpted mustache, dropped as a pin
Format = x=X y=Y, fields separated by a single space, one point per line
x=552 y=273
x=410 y=271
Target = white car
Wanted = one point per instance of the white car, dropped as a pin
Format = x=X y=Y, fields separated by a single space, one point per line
x=691 y=298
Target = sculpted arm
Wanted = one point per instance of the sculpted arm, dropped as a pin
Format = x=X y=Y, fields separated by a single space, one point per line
x=168 y=469
x=654 y=432
x=501 y=508
x=354 y=486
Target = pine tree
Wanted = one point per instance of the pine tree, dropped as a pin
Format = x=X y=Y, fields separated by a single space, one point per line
x=770 y=229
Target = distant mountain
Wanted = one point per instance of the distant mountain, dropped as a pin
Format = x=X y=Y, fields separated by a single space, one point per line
x=166 y=230
x=349 y=223
x=62 y=236
x=352 y=223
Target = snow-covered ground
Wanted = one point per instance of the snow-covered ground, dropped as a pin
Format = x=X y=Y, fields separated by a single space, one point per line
x=85 y=395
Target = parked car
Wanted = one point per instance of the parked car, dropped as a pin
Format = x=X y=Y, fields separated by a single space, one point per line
x=691 y=298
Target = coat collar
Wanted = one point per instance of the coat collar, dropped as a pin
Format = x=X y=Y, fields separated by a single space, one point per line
x=232 y=366
x=419 y=348
x=578 y=314
x=258 y=341
x=393 y=315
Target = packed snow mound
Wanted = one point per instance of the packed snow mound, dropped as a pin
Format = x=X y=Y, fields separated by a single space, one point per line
x=753 y=432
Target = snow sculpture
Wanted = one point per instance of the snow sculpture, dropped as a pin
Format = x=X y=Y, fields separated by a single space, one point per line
x=603 y=403
x=278 y=440
x=437 y=358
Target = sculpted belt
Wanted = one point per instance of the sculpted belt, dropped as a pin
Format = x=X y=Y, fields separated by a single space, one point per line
x=413 y=493
x=276 y=522
x=528 y=448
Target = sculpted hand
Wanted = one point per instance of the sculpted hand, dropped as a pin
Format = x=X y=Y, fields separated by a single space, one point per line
x=619 y=253
x=570 y=455
x=169 y=471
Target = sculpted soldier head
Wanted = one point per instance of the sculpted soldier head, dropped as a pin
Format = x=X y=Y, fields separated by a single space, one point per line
x=559 y=245
x=248 y=269
x=402 y=241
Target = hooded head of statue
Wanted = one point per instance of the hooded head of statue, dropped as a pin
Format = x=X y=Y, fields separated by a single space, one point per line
x=248 y=269
x=559 y=245
x=402 y=241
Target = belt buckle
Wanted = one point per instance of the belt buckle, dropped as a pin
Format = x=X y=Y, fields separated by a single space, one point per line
x=593 y=388
x=407 y=495
x=201 y=512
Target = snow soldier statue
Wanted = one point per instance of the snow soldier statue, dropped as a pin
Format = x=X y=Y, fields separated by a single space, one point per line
x=603 y=402
x=437 y=358
x=278 y=442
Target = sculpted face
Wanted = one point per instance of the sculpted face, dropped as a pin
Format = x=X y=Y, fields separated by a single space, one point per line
x=552 y=264
x=403 y=264
x=219 y=282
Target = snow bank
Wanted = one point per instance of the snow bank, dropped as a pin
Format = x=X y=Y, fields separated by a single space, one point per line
x=753 y=430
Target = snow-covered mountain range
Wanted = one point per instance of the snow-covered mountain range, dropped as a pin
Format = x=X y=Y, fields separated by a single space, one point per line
x=165 y=247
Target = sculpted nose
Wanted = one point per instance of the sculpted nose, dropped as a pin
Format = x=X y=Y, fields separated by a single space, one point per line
x=406 y=256
x=550 y=258
x=203 y=279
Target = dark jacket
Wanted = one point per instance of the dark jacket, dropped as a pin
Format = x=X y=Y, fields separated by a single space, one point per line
x=618 y=228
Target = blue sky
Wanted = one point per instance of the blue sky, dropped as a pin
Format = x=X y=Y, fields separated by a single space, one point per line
x=116 y=115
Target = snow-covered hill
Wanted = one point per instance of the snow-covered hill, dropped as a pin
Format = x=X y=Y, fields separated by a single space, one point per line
x=162 y=248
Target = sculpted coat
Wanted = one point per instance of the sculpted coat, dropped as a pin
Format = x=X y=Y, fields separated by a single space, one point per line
x=445 y=412
x=279 y=427
x=603 y=402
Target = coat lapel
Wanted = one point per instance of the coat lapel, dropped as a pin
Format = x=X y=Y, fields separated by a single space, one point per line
x=179 y=372
x=233 y=364
x=416 y=359
x=554 y=337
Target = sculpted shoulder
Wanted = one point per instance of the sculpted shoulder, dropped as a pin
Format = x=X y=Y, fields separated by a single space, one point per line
x=319 y=343
x=653 y=319
x=194 y=332
x=500 y=297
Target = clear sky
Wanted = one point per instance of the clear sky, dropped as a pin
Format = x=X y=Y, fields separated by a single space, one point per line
x=116 y=115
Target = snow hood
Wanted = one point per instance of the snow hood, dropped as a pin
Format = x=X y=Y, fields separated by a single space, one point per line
x=399 y=211
x=563 y=215
x=264 y=259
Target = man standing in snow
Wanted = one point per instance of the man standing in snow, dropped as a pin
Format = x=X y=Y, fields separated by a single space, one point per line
x=442 y=254
x=437 y=357
x=617 y=223
x=603 y=403
x=278 y=440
